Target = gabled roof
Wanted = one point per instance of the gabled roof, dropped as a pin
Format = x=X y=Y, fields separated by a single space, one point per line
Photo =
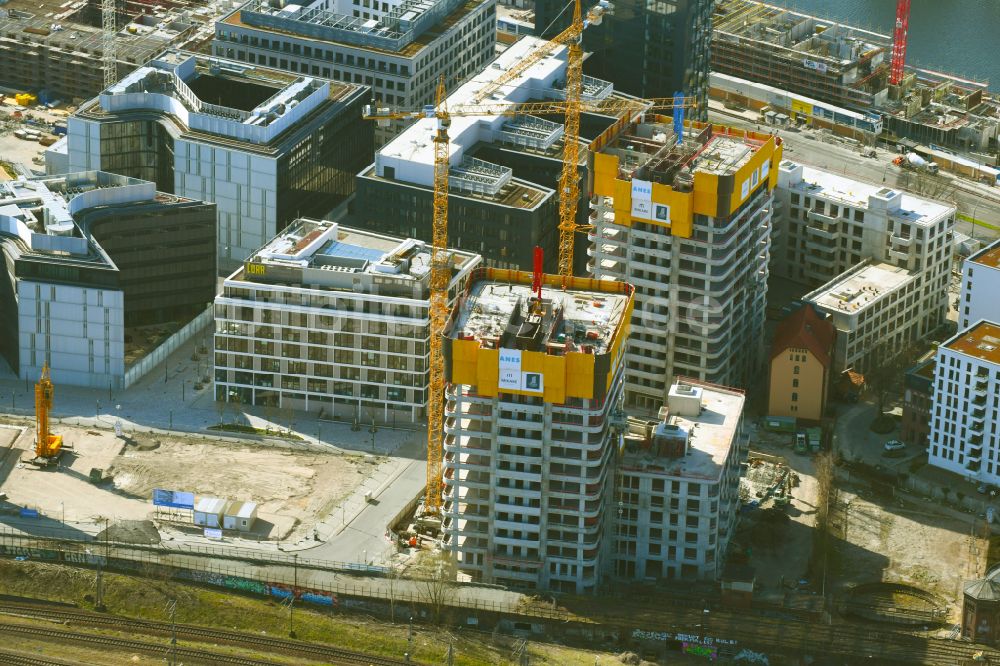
x=805 y=329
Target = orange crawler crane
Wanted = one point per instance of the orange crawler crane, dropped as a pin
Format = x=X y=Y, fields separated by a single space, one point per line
x=47 y=446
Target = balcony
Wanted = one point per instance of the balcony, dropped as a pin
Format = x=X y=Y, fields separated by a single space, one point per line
x=901 y=240
x=825 y=233
x=898 y=255
x=977 y=426
x=979 y=388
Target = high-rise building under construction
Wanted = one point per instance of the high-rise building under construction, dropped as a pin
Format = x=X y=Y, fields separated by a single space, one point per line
x=652 y=49
x=688 y=223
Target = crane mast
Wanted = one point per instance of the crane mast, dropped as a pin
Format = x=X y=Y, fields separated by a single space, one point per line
x=899 y=41
x=440 y=274
x=47 y=446
x=569 y=179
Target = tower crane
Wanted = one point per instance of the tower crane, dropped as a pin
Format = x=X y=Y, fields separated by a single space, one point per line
x=47 y=446
x=899 y=41
x=569 y=195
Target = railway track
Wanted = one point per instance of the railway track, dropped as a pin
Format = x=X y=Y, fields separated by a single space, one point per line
x=16 y=659
x=198 y=656
x=328 y=654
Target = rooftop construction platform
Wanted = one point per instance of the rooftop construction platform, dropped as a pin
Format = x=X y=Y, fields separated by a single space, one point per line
x=982 y=341
x=697 y=430
x=502 y=338
x=324 y=255
x=652 y=175
x=860 y=287
x=900 y=205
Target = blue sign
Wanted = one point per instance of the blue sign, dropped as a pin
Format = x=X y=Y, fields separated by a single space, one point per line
x=173 y=498
x=213 y=534
x=29 y=513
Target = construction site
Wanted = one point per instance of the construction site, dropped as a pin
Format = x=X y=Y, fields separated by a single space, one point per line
x=856 y=69
x=56 y=49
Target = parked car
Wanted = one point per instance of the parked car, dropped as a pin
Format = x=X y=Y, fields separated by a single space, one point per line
x=894 y=445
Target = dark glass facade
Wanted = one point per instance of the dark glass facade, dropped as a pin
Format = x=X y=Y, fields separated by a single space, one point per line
x=139 y=149
x=165 y=254
x=654 y=48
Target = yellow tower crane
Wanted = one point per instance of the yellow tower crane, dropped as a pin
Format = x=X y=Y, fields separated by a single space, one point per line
x=569 y=195
x=47 y=446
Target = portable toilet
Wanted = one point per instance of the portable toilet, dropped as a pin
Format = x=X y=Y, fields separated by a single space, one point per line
x=208 y=511
x=239 y=516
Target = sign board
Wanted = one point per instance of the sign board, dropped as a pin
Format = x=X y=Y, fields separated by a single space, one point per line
x=511 y=378
x=812 y=64
x=642 y=199
x=255 y=268
x=765 y=169
x=745 y=189
x=213 y=533
x=173 y=498
x=29 y=513
x=510 y=369
x=643 y=206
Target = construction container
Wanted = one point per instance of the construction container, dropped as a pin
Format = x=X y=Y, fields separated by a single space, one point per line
x=25 y=99
x=779 y=423
x=208 y=511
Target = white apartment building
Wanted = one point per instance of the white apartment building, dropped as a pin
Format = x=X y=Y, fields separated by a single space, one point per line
x=980 y=297
x=330 y=319
x=678 y=486
x=965 y=416
x=263 y=145
x=397 y=48
x=529 y=433
x=826 y=224
x=688 y=223
x=871 y=305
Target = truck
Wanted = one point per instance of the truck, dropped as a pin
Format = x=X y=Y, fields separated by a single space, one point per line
x=915 y=162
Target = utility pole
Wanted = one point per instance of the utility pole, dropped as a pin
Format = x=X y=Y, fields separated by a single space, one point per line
x=172 y=607
x=451 y=654
x=291 y=599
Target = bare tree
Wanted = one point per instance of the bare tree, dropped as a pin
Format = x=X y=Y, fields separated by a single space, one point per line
x=436 y=577
x=392 y=576
x=890 y=362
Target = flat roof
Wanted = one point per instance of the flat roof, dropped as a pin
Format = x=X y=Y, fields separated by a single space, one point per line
x=856 y=193
x=989 y=256
x=411 y=153
x=710 y=436
x=325 y=255
x=981 y=340
x=858 y=288
x=569 y=320
x=210 y=505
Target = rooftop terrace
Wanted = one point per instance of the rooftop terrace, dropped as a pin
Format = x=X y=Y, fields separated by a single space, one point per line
x=325 y=255
x=982 y=341
x=861 y=287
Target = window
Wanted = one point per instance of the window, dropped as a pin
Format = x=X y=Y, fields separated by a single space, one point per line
x=795 y=397
x=795 y=370
x=795 y=383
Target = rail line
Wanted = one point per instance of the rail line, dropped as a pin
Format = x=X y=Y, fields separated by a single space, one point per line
x=331 y=655
x=50 y=634
x=17 y=659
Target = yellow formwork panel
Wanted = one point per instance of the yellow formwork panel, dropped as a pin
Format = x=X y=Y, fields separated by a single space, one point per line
x=488 y=374
x=464 y=361
x=580 y=375
x=605 y=174
x=554 y=371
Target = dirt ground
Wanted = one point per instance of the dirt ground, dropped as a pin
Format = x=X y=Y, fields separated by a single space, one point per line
x=787 y=557
x=293 y=489
x=900 y=542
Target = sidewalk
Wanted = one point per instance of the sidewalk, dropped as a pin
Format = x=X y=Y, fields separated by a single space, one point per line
x=165 y=401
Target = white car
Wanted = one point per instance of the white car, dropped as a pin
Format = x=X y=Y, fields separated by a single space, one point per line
x=894 y=445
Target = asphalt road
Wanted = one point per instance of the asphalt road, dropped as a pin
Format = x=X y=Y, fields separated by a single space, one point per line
x=815 y=149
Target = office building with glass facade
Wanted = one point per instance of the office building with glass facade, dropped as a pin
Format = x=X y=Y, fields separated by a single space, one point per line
x=265 y=146
x=85 y=256
x=654 y=48
x=331 y=320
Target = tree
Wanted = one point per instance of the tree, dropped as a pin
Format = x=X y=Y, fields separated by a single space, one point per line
x=436 y=579
x=888 y=364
